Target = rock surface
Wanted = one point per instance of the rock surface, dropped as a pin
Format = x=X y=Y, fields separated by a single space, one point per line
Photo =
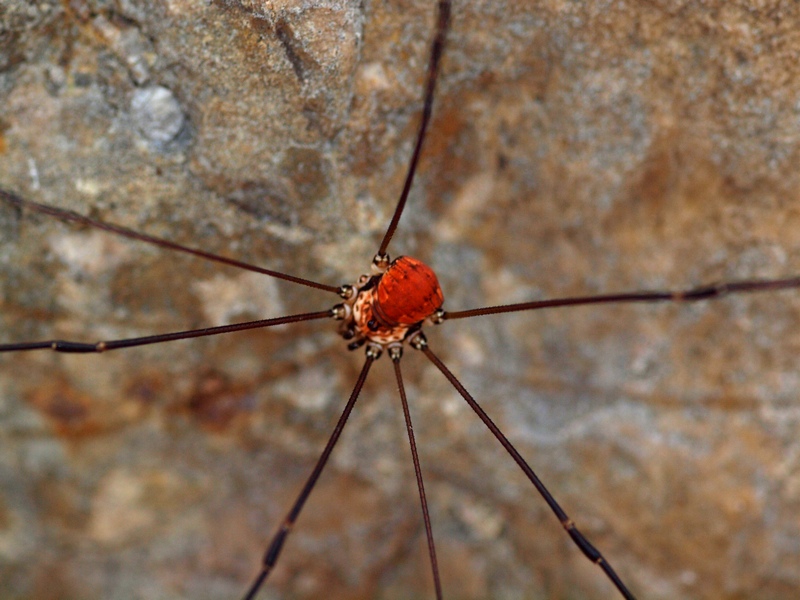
x=576 y=148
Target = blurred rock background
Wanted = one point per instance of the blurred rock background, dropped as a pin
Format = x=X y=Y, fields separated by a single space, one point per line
x=576 y=148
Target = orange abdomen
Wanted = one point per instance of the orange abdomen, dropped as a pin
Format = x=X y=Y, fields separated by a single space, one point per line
x=408 y=292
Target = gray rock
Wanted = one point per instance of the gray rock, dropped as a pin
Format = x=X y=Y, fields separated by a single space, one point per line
x=157 y=114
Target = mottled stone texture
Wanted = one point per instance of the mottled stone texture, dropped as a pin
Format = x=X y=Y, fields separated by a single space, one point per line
x=576 y=148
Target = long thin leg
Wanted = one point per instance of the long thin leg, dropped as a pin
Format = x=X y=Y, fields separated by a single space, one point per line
x=395 y=354
x=83 y=348
x=703 y=292
x=442 y=24
x=580 y=540
x=70 y=216
x=275 y=546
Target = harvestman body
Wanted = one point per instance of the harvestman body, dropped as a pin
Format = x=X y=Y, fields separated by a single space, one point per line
x=384 y=311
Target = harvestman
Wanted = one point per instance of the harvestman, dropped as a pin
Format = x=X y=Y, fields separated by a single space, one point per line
x=383 y=312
